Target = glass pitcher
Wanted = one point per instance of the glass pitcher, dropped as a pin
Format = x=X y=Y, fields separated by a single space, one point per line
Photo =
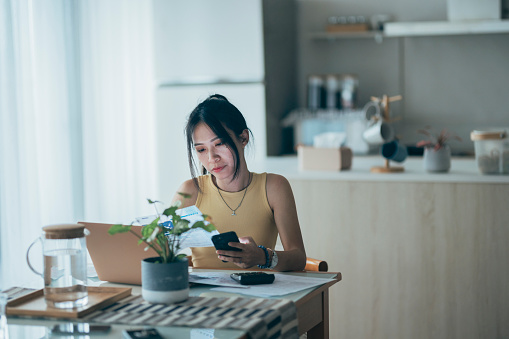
x=4 y=331
x=65 y=265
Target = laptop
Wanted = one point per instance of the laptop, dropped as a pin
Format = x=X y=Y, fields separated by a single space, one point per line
x=116 y=258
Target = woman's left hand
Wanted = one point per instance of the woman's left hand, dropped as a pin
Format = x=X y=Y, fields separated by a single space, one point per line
x=249 y=256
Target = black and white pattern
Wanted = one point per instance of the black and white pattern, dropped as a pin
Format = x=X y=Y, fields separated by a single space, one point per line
x=259 y=317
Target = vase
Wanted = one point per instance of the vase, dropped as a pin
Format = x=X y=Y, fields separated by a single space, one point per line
x=437 y=160
x=164 y=283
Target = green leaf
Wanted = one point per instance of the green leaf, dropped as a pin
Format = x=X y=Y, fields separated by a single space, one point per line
x=207 y=227
x=180 y=227
x=166 y=246
x=153 y=201
x=185 y=195
x=147 y=230
x=119 y=228
x=170 y=211
x=180 y=257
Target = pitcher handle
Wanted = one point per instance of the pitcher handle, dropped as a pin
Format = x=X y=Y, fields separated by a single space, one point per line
x=28 y=259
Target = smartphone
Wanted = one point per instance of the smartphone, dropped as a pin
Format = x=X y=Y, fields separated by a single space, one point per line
x=79 y=328
x=221 y=241
x=253 y=278
x=146 y=333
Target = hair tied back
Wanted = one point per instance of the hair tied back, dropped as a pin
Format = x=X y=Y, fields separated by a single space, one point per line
x=218 y=97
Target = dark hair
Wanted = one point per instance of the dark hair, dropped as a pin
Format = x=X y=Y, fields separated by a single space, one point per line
x=217 y=113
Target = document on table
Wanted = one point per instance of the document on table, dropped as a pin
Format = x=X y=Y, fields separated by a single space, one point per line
x=196 y=237
x=214 y=278
x=283 y=284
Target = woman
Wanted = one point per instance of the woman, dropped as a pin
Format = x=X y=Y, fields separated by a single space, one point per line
x=256 y=206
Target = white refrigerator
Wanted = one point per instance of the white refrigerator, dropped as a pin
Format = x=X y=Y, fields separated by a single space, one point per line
x=202 y=47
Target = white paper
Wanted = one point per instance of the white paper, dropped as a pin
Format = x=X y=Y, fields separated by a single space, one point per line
x=202 y=333
x=214 y=278
x=283 y=284
x=196 y=237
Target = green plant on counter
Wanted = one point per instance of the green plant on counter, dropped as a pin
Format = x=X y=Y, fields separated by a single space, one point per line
x=436 y=140
x=163 y=239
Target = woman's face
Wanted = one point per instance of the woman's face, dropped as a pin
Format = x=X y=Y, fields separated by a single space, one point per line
x=215 y=155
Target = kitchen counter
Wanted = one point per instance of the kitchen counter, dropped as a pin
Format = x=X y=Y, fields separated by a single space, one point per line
x=422 y=255
x=463 y=170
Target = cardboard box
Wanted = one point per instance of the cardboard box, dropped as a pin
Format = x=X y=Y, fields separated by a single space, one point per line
x=324 y=159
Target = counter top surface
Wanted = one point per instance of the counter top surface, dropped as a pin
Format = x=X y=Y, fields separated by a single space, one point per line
x=463 y=170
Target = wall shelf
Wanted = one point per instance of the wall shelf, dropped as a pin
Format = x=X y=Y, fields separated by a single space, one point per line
x=346 y=35
x=422 y=28
x=433 y=28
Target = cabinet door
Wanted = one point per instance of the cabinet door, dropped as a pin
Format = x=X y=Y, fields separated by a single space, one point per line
x=204 y=39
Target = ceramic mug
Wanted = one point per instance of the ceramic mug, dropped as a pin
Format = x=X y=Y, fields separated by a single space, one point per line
x=394 y=151
x=372 y=110
x=378 y=133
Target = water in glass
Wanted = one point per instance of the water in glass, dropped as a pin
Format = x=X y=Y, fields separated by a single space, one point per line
x=65 y=265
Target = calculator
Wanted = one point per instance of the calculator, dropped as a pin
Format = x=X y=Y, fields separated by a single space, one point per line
x=253 y=278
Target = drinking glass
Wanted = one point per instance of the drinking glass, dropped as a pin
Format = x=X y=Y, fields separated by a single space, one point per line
x=4 y=332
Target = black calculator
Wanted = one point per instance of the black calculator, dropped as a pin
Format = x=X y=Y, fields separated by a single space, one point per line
x=253 y=278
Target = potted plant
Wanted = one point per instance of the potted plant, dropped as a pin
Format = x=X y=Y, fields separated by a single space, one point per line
x=437 y=152
x=164 y=279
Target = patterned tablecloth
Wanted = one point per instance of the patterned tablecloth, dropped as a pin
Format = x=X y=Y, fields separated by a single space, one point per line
x=259 y=317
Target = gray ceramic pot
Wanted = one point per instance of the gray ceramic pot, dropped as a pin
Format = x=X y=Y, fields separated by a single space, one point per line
x=437 y=161
x=164 y=283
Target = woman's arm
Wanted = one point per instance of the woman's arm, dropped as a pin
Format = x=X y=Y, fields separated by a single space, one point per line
x=282 y=202
x=187 y=187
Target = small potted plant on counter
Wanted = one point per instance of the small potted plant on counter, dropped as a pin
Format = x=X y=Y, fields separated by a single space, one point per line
x=164 y=279
x=437 y=152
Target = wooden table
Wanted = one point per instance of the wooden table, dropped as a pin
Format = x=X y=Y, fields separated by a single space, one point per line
x=312 y=304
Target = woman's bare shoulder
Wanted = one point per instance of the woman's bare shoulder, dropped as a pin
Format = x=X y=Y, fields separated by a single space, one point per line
x=188 y=187
x=277 y=185
x=276 y=179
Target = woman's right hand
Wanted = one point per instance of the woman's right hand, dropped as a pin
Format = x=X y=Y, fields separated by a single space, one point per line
x=249 y=256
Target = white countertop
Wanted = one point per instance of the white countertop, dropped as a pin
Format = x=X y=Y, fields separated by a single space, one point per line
x=463 y=170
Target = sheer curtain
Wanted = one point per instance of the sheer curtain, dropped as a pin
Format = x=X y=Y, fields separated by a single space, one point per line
x=117 y=109
x=76 y=118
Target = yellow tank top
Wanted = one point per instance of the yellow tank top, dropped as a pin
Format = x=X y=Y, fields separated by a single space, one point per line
x=253 y=218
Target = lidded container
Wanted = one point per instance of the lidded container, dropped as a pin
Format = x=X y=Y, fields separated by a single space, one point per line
x=316 y=92
x=491 y=151
x=349 y=89
x=332 y=91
